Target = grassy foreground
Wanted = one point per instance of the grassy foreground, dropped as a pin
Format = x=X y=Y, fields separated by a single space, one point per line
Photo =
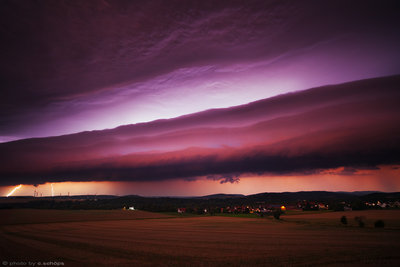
x=138 y=238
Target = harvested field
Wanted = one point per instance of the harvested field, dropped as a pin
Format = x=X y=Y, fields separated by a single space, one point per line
x=390 y=217
x=29 y=216
x=101 y=238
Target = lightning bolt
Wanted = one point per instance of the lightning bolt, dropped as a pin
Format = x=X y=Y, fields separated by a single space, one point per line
x=15 y=189
x=52 y=190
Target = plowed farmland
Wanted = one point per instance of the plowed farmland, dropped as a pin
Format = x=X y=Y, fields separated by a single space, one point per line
x=138 y=238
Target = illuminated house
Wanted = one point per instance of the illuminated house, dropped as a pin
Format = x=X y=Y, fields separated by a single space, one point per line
x=181 y=210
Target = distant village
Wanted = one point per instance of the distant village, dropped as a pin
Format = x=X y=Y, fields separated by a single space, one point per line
x=264 y=209
x=261 y=204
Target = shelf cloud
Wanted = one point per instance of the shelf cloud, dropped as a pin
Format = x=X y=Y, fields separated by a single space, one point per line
x=352 y=125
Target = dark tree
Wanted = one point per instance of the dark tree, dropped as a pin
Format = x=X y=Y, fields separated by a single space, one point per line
x=360 y=221
x=343 y=220
x=277 y=214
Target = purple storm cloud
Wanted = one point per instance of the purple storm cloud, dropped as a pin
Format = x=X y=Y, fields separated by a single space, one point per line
x=90 y=65
x=118 y=90
x=355 y=125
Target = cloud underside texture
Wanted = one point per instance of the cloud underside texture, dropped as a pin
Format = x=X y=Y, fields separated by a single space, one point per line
x=60 y=58
x=353 y=125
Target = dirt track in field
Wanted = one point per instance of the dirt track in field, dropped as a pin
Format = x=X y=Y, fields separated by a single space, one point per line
x=196 y=241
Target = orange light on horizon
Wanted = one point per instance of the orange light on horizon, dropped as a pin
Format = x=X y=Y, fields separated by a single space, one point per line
x=385 y=178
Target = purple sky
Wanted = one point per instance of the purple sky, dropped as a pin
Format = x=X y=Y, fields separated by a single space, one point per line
x=70 y=67
x=212 y=91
